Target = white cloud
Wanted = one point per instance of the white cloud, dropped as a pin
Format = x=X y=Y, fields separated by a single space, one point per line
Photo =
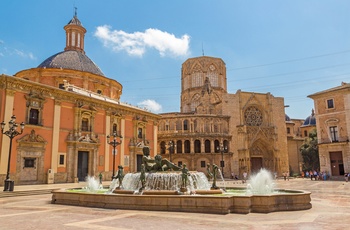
x=151 y=105
x=136 y=43
x=9 y=51
x=25 y=55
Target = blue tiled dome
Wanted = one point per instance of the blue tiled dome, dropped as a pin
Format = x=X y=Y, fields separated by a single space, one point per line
x=287 y=118
x=71 y=59
x=310 y=120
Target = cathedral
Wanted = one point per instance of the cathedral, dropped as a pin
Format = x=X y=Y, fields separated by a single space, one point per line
x=239 y=132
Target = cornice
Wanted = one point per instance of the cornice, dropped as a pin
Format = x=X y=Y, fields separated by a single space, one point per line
x=22 y=85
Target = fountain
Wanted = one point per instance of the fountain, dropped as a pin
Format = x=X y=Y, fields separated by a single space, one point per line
x=161 y=181
x=156 y=188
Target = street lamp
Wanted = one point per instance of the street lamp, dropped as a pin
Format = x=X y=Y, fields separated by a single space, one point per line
x=172 y=147
x=11 y=133
x=114 y=143
x=222 y=149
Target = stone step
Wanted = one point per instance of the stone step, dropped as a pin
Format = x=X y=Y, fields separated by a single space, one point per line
x=25 y=193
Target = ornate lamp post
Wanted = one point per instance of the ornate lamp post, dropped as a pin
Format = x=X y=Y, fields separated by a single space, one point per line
x=11 y=133
x=172 y=147
x=222 y=149
x=114 y=143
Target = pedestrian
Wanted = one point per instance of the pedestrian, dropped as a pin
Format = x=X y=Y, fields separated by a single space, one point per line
x=311 y=174
x=346 y=177
x=315 y=175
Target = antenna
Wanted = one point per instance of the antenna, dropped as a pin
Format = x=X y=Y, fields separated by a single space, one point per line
x=202 y=49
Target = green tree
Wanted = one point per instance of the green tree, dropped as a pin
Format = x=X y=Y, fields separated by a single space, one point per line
x=309 y=152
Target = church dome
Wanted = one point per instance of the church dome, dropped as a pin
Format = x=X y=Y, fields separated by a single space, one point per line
x=71 y=59
x=310 y=120
x=287 y=118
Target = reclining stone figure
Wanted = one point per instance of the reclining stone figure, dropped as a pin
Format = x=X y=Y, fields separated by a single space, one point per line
x=158 y=163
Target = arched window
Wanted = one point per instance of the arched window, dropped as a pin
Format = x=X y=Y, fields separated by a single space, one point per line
x=216 y=146
x=34 y=116
x=162 y=147
x=207 y=146
x=226 y=146
x=187 y=146
x=197 y=146
x=185 y=125
x=179 y=147
x=34 y=111
x=84 y=124
x=197 y=79
x=73 y=38
x=139 y=133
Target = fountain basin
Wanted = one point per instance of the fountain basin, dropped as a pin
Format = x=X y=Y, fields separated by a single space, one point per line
x=284 y=200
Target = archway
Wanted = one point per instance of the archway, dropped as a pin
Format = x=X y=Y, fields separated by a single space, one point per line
x=261 y=156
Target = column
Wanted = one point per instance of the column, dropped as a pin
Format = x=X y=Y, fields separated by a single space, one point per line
x=122 y=146
x=155 y=135
x=55 y=135
x=107 y=146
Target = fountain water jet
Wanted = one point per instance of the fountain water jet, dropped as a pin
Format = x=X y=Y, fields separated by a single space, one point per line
x=261 y=183
x=92 y=184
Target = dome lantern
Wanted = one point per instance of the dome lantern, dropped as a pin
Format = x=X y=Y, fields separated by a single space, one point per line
x=75 y=34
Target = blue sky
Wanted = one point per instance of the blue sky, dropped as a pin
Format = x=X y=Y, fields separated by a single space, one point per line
x=290 y=48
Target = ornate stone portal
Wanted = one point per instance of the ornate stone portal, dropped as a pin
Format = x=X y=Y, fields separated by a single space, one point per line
x=30 y=157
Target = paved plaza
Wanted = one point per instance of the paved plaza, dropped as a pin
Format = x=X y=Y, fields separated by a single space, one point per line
x=330 y=201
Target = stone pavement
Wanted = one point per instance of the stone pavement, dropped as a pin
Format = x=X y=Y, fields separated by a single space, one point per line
x=330 y=201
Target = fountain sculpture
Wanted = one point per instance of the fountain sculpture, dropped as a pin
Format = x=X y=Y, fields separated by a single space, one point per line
x=164 y=186
x=160 y=176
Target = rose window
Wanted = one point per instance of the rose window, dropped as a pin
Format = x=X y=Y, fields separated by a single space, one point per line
x=253 y=116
